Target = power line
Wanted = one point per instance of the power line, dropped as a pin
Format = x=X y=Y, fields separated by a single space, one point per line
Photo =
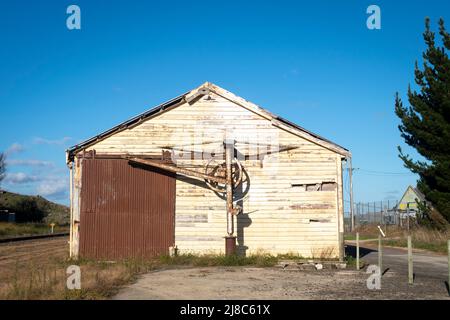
x=373 y=172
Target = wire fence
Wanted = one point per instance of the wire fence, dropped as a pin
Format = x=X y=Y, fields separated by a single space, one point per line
x=380 y=212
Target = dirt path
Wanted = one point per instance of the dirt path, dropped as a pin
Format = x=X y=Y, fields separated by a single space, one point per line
x=275 y=283
x=426 y=264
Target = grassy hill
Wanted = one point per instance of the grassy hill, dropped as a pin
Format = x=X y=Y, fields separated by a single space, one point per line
x=34 y=208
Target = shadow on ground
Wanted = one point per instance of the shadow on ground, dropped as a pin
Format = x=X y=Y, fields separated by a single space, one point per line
x=350 y=250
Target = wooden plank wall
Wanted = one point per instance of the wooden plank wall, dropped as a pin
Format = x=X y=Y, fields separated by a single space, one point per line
x=277 y=216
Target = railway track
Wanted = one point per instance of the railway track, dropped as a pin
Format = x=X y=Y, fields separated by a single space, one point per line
x=34 y=237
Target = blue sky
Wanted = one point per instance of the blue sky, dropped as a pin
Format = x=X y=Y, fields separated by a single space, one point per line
x=315 y=64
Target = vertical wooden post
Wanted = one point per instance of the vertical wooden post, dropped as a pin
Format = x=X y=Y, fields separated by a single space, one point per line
x=410 y=262
x=380 y=255
x=357 y=252
x=407 y=216
x=71 y=208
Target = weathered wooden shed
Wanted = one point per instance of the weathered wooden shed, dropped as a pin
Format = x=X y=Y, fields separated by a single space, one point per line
x=205 y=166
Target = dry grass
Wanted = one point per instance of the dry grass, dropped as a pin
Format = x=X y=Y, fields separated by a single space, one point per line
x=99 y=280
x=327 y=253
x=212 y=260
x=9 y=229
x=422 y=237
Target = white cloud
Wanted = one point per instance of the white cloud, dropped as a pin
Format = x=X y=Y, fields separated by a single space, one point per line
x=46 y=180
x=20 y=178
x=62 y=141
x=54 y=187
x=30 y=162
x=393 y=192
x=391 y=195
x=14 y=148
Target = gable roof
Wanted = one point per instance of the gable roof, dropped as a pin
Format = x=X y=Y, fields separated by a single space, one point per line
x=416 y=191
x=191 y=96
x=404 y=202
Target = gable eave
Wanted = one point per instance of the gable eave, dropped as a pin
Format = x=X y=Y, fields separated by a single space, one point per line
x=275 y=119
x=124 y=125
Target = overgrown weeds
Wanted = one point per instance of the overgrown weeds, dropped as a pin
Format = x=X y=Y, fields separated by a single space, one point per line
x=9 y=229
x=211 y=260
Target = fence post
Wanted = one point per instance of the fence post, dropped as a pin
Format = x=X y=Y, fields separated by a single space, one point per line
x=380 y=255
x=361 y=211
x=381 y=214
x=410 y=262
x=407 y=215
x=357 y=252
x=388 y=212
x=368 y=212
x=374 y=213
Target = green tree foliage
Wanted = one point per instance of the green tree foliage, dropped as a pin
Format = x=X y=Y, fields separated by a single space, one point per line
x=425 y=124
x=34 y=208
x=28 y=211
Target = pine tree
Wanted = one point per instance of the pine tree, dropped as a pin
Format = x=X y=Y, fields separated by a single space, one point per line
x=425 y=124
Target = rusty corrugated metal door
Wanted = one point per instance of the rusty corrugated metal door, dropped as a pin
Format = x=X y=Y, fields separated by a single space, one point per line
x=126 y=211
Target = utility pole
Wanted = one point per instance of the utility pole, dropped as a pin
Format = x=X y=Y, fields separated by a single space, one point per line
x=350 y=174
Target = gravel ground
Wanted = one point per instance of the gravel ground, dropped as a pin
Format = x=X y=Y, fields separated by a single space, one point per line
x=275 y=283
x=430 y=270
